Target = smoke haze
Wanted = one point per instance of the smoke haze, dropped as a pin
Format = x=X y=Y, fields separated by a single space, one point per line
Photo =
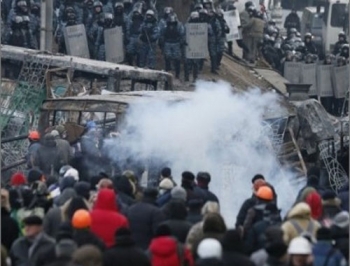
x=218 y=132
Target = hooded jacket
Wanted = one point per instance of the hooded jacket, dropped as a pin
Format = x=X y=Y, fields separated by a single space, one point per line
x=301 y=214
x=247 y=204
x=105 y=218
x=165 y=250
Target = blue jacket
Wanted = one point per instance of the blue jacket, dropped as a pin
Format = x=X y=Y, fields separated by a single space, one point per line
x=322 y=249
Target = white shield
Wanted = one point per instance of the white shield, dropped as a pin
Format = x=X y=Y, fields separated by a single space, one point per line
x=324 y=81
x=197 y=40
x=76 y=41
x=114 y=45
x=340 y=80
x=292 y=72
x=233 y=21
x=308 y=76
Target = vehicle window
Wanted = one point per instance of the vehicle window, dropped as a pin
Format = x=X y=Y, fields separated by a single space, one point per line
x=317 y=22
x=338 y=15
x=325 y=15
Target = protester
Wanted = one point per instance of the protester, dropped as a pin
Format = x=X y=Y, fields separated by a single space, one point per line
x=300 y=252
x=203 y=180
x=209 y=253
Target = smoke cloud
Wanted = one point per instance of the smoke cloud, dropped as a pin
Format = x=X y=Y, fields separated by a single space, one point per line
x=216 y=131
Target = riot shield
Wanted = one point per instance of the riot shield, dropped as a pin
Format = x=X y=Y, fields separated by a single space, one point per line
x=340 y=81
x=324 y=81
x=292 y=72
x=197 y=40
x=233 y=21
x=76 y=41
x=114 y=45
x=308 y=76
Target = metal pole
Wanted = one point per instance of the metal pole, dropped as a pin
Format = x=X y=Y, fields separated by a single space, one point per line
x=349 y=67
x=43 y=26
x=49 y=22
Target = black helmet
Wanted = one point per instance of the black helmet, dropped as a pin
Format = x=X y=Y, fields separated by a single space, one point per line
x=341 y=34
x=172 y=19
x=248 y=4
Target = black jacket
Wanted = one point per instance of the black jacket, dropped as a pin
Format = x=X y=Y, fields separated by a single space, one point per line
x=9 y=229
x=144 y=218
x=125 y=253
x=235 y=258
x=209 y=196
x=341 y=238
x=209 y=262
x=86 y=237
x=248 y=203
x=292 y=21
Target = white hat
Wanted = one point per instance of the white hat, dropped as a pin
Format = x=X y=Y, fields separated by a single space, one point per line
x=209 y=248
x=73 y=173
x=166 y=184
x=299 y=246
x=341 y=219
x=55 y=133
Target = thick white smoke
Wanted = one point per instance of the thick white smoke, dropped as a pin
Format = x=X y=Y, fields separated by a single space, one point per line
x=218 y=132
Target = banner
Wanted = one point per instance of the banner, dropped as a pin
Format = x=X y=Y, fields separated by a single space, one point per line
x=114 y=45
x=76 y=41
x=292 y=72
x=308 y=76
x=197 y=40
x=233 y=21
x=324 y=81
x=340 y=81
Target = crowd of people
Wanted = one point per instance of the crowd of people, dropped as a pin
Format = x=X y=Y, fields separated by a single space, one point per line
x=55 y=214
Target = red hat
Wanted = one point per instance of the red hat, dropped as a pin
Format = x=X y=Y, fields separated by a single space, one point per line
x=18 y=179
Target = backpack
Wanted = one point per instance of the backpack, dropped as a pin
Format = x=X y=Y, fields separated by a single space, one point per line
x=309 y=232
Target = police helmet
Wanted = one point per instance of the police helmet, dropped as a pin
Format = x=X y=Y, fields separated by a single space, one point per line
x=168 y=10
x=17 y=19
x=127 y=2
x=230 y=7
x=220 y=12
x=309 y=58
x=207 y=2
x=341 y=60
x=150 y=12
x=71 y=16
x=308 y=35
x=267 y=37
x=22 y=4
x=198 y=7
x=118 y=4
x=98 y=4
x=203 y=11
x=69 y=9
x=341 y=34
x=26 y=18
x=298 y=34
x=108 y=16
x=194 y=15
x=287 y=47
x=293 y=30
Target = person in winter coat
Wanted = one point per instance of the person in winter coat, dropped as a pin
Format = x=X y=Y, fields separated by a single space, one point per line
x=144 y=218
x=292 y=21
x=34 y=144
x=24 y=251
x=177 y=221
x=256 y=34
x=48 y=157
x=165 y=187
x=257 y=182
x=124 y=190
x=338 y=45
x=343 y=195
x=277 y=254
x=81 y=223
x=203 y=180
x=213 y=227
x=166 y=250
x=193 y=192
x=246 y=24
x=133 y=31
x=314 y=200
x=125 y=251
x=264 y=196
x=255 y=237
x=64 y=213
x=105 y=217
x=9 y=226
x=165 y=173
x=299 y=221
x=233 y=247
x=196 y=231
x=194 y=210
x=210 y=253
x=340 y=233
x=176 y=194
x=273 y=234
x=323 y=251
x=331 y=207
x=87 y=255
x=63 y=146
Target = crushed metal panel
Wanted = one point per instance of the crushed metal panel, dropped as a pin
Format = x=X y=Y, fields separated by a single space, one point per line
x=76 y=41
x=340 y=80
x=324 y=81
x=197 y=40
x=308 y=76
x=114 y=45
x=292 y=72
x=233 y=21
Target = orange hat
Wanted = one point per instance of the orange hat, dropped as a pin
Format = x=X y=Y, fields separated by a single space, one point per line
x=265 y=193
x=34 y=135
x=81 y=219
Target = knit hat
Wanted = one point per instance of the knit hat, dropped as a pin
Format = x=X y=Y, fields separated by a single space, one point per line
x=33 y=220
x=166 y=184
x=83 y=189
x=163 y=230
x=72 y=172
x=179 y=193
x=166 y=172
x=34 y=175
x=257 y=177
x=341 y=219
x=18 y=179
x=324 y=233
x=209 y=248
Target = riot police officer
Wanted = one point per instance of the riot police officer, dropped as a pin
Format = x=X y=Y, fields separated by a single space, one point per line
x=148 y=39
x=168 y=11
x=71 y=20
x=222 y=40
x=29 y=39
x=133 y=30
x=310 y=47
x=100 y=49
x=215 y=35
x=338 y=45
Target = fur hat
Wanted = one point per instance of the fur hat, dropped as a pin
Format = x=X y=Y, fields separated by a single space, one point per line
x=166 y=184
